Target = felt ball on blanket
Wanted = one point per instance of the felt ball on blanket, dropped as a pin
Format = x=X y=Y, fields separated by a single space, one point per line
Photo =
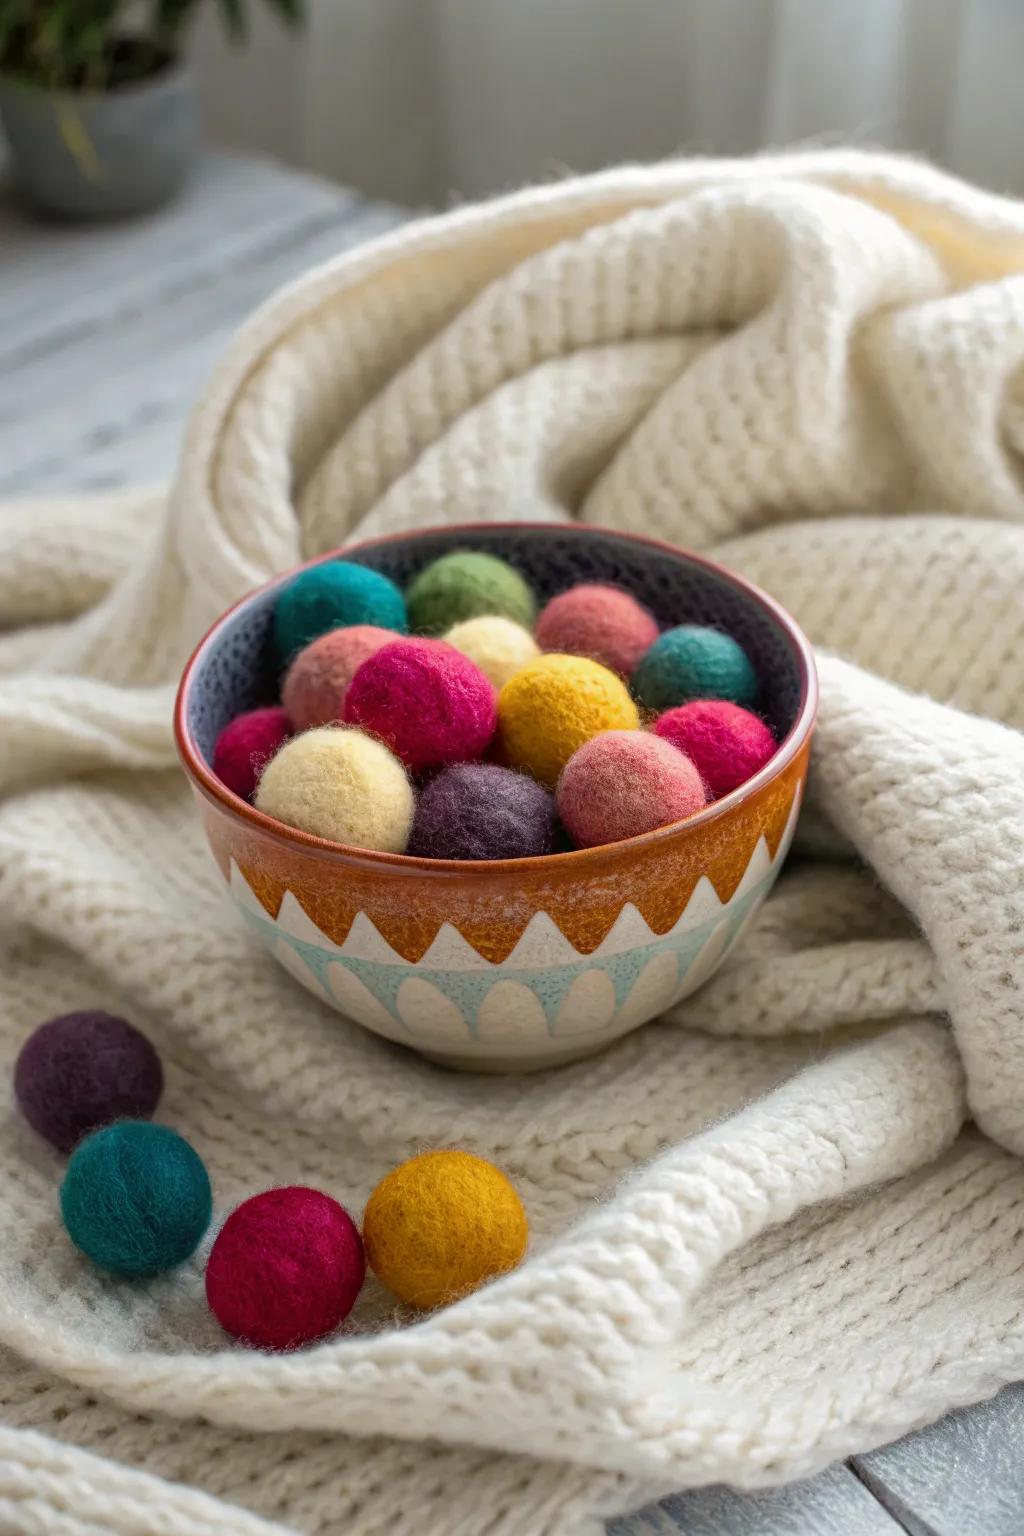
x=426 y=700
x=623 y=783
x=483 y=811
x=692 y=662
x=285 y=1269
x=340 y=784
x=246 y=745
x=80 y=1071
x=440 y=1225
x=598 y=621
x=315 y=683
x=553 y=706
x=727 y=744
x=334 y=595
x=136 y=1198
x=466 y=585
x=499 y=647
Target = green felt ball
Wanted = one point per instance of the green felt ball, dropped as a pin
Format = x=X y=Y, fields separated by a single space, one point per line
x=467 y=585
x=691 y=662
x=136 y=1198
x=334 y=595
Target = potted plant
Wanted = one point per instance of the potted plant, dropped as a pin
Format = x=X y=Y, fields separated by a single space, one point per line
x=98 y=103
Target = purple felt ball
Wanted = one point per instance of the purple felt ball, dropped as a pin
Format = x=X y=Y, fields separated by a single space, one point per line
x=483 y=811
x=80 y=1071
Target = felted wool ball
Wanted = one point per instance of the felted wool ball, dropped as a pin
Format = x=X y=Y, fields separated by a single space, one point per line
x=483 y=811
x=427 y=701
x=467 y=585
x=315 y=683
x=553 y=706
x=285 y=1269
x=692 y=662
x=623 y=783
x=440 y=1225
x=498 y=646
x=334 y=595
x=82 y=1070
x=727 y=744
x=244 y=747
x=136 y=1198
x=340 y=785
x=597 y=621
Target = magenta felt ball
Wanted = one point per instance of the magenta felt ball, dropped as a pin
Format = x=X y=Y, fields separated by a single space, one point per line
x=727 y=744
x=622 y=783
x=424 y=700
x=317 y=680
x=286 y=1268
x=245 y=747
x=597 y=621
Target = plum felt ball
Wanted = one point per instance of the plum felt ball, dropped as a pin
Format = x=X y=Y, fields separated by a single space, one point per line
x=341 y=785
x=483 y=811
x=466 y=585
x=246 y=745
x=136 y=1198
x=80 y=1071
x=727 y=744
x=334 y=595
x=285 y=1269
x=426 y=701
x=440 y=1225
x=499 y=647
x=598 y=621
x=691 y=662
x=624 y=783
x=553 y=706
x=315 y=683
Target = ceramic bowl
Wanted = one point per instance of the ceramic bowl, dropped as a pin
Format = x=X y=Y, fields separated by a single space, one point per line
x=520 y=963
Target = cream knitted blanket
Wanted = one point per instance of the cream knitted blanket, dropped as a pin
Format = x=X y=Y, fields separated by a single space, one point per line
x=765 y=1233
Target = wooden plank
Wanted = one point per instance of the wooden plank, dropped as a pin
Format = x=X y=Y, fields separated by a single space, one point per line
x=834 y=1504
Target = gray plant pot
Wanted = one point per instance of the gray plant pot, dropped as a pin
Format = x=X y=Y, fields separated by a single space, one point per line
x=102 y=155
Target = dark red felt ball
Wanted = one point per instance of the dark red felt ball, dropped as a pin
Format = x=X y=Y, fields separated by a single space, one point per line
x=80 y=1071
x=426 y=701
x=245 y=747
x=286 y=1268
x=726 y=743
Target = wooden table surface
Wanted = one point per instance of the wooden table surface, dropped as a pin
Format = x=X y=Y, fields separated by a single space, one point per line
x=107 y=335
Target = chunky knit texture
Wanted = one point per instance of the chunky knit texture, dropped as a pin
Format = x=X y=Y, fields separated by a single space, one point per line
x=761 y=1235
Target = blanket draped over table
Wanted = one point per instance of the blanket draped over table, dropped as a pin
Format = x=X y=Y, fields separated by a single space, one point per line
x=781 y=1224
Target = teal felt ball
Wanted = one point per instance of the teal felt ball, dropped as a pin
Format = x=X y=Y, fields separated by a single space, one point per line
x=334 y=595
x=468 y=584
x=136 y=1198
x=691 y=662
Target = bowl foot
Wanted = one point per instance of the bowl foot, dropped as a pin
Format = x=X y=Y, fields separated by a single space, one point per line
x=495 y=1064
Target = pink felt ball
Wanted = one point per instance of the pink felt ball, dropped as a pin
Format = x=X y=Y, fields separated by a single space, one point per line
x=245 y=747
x=315 y=683
x=597 y=621
x=286 y=1268
x=622 y=783
x=727 y=744
x=426 y=701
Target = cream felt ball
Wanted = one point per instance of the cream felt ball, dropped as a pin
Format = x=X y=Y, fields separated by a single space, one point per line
x=334 y=595
x=315 y=684
x=426 y=700
x=623 y=783
x=499 y=647
x=726 y=743
x=692 y=662
x=466 y=585
x=598 y=621
x=342 y=785
x=553 y=706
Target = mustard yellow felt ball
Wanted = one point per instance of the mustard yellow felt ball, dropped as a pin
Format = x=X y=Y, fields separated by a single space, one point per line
x=555 y=704
x=440 y=1225
x=340 y=784
x=500 y=647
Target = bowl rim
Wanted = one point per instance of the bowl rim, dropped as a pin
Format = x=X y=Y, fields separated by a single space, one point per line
x=210 y=786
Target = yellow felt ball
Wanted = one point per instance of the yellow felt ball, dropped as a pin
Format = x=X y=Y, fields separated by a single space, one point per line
x=340 y=784
x=440 y=1225
x=555 y=704
x=500 y=647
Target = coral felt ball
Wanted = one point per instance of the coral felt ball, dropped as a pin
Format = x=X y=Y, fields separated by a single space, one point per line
x=244 y=747
x=285 y=1269
x=553 y=706
x=597 y=621
x=466 y=585
x=333 y=595
x=136 y=1198
x=726 y=743
x=498 y=646
x=427 y=701
x=623 y=783
x=82 y=1070
x=440 y=1225
x=341 y=785
x=483 y=811
x=691 y=662
x=315 y=684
